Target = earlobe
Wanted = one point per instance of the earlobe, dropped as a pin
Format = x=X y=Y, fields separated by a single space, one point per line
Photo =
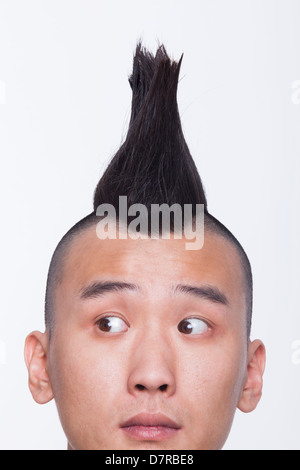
x=252 y=389
x=36 y=357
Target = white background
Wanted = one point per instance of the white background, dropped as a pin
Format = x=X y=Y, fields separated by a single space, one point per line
x=64 y=111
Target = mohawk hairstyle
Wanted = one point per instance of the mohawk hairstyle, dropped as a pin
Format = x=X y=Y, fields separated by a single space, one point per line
x=152 y=166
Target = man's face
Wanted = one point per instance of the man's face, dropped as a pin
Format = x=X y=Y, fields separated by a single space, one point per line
x=167 y=341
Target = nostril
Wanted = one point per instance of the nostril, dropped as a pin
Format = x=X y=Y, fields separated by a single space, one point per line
x=140 y=387
x=162 y=388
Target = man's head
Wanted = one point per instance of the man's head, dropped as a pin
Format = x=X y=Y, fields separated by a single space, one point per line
x=139 y=332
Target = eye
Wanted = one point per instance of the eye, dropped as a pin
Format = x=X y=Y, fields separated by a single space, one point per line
x=112 y=324
x=193 y=326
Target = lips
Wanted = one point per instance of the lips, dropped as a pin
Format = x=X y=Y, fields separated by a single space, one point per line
x=147 y=426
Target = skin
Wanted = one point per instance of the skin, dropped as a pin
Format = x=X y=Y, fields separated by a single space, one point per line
x=95 y=376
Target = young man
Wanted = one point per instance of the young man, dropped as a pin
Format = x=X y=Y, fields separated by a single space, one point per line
x=147 y=340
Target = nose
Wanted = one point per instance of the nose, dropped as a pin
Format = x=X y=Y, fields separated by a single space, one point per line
x=152 y=369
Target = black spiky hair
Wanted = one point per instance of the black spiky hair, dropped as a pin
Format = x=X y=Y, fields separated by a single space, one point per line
x=152 y=166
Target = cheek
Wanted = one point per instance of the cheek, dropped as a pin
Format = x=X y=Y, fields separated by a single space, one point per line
x=82 y=366
x=87 y=382
x=213 y=377
x=214 y=363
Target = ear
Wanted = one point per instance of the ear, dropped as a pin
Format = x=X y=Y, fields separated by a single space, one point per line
x=252 y=390
x=36 y=346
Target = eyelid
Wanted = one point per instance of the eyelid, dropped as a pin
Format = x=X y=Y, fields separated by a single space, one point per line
x=197 y=317
x=112 y=314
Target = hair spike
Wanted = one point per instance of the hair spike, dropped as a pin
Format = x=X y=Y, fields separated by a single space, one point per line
x=153 y=165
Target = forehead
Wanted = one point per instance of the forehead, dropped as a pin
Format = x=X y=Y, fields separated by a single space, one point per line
x=153 y=264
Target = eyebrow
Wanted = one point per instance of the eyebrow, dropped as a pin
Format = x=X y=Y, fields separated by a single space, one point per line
x=99 y=288
x=211 y=293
